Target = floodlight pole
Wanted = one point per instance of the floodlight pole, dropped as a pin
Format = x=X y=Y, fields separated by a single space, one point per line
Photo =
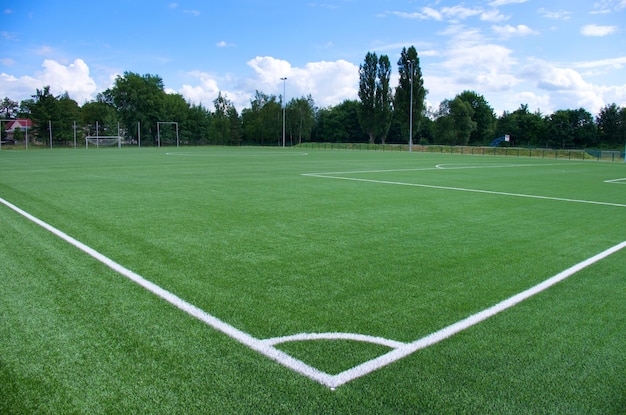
x=411 y=108
x=284 y=79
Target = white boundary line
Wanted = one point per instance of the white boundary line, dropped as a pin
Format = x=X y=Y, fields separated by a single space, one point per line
x=616 y=181
x=254 y=154
x=335 y=176
x=266 y=347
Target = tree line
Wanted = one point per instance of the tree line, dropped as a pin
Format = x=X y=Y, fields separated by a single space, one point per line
x=135 y=103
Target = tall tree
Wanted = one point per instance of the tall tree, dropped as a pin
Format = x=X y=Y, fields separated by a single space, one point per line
x=8 y=108
x=367 y=95
x=138 y=98
x=99 y=112
x=300 y=118
x=199 y=124
x=482 y=115
x=43 y=108
x=339 y=124
x=221 y=131
x=525 y=128
x=384 y=98
x=410 y=79
x=454 y=123
x=262 y=122
x=69 y=113
x=572 y=129
x=611 y=122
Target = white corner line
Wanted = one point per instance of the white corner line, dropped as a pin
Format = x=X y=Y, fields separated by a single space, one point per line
x=468 y=322
x=266 y=347
x=231 y=331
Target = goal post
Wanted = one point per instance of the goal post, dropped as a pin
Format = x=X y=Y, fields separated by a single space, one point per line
x=103 y=141
x=159 y=131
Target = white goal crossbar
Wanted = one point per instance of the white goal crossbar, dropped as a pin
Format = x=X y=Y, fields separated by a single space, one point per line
x=103 y=141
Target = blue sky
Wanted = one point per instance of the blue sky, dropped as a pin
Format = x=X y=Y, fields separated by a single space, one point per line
x=549 y=55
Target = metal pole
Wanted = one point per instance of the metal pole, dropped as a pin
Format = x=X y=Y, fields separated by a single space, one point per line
x=411 y=109
x=50 y=129
x=74 y=134
x=284 y=79
x=139 y=133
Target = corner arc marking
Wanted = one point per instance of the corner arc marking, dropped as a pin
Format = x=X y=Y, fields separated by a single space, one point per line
x=393 y=344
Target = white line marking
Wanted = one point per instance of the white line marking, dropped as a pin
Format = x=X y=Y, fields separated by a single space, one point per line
x=266 y=348
x=470 y=321
x=460 y=189
x=240 y=336
x=617 y=181
x=255 y=154
x=334 y=336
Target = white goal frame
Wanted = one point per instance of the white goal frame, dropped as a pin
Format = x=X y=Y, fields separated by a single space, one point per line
x=97 y=138
x=159 y=131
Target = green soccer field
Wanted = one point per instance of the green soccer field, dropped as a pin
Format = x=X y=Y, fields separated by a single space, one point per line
x=258 y=280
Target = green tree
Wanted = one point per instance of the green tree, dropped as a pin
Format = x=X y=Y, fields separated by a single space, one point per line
x=174 y=110
x=199 y=123
x=611 y=124
x=138 y=99
x=384 y=98
x=262 y=122
x=8 y=108
x=454 y=123
x=99 y=112
x=410 y=75
x=43 y=109
x=339 y=123
x=221 y=128
x=525 y=128
x=482 y=115
x=367 y=95
x=572 y=129
x=300 y=118
x=69 y=113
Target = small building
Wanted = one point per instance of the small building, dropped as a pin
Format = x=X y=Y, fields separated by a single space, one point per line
x=21 y=124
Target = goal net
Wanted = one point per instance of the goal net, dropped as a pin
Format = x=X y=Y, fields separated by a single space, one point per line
x=103 y=141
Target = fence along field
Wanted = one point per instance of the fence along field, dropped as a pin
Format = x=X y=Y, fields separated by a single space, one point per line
x=310 y=269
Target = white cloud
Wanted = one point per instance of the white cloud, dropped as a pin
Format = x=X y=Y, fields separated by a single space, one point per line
x=498 y=3
x=73 y=79
x=557 y=15
x=224 y=44
x=460 y=12
x=508 y=31
x=493 y=15
x=607 y=6
x=44 y=50
x=595 y=30
x=329 y=83
x=566 y=87
x=614 y=63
